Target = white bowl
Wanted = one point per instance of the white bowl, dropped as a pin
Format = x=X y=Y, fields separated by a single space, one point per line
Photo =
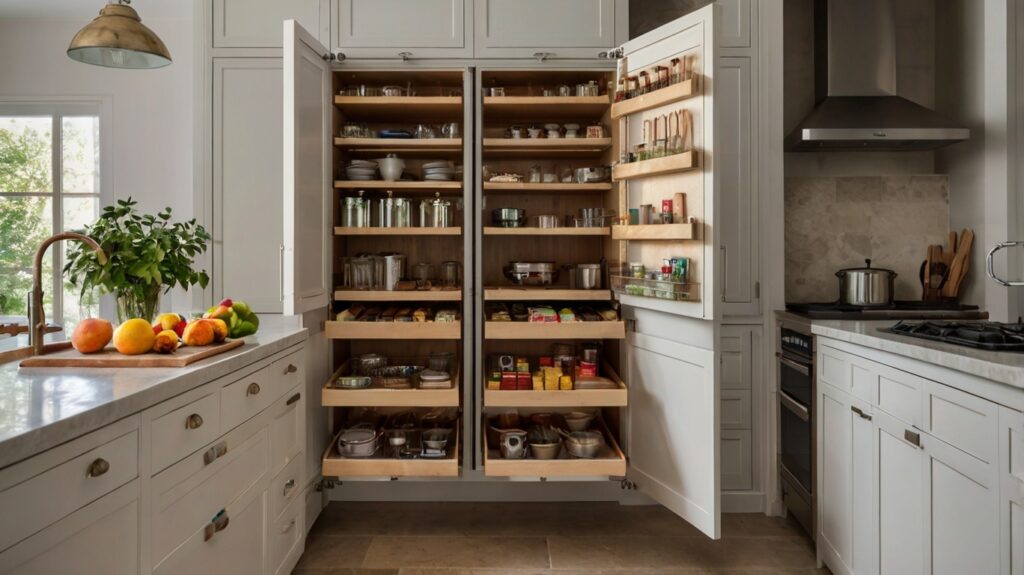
x=391 y=168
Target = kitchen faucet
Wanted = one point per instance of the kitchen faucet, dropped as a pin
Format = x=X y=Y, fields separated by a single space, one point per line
x=36 y=315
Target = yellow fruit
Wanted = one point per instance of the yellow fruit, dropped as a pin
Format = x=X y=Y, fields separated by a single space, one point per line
x=198 y=333
x=220 y=329
x=166 y=341
x=134 y=337
x=92 y=335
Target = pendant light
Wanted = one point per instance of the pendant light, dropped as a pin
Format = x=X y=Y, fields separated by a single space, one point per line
x=118 y=39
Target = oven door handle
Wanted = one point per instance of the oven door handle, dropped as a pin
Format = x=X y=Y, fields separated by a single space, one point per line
x=803 y=369
x=794 y=406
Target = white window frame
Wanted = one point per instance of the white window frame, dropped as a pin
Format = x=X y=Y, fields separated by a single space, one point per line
x=58 y=108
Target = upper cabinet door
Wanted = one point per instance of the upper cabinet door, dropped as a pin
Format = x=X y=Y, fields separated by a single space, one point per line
x=388 y=28
x=257 y=23
x=307 y=172
x=736 y=22
x=556 y=29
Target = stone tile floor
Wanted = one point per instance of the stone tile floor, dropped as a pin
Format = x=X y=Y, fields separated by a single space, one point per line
x=545 y=538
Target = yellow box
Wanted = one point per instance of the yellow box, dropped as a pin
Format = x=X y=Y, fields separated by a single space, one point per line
x=538 y=381
x=565 y=383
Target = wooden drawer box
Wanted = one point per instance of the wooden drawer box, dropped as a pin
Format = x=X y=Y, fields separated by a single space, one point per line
x=186 y=429
x=81 y=472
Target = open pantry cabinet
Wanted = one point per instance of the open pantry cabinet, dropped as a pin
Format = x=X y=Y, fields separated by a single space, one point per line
x=656 y=337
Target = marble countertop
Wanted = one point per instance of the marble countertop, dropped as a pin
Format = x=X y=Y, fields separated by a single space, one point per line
x=1002 y=367
x=41 y=408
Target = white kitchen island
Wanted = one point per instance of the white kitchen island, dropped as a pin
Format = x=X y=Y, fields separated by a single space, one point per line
x=194 y=469
x=920 y=454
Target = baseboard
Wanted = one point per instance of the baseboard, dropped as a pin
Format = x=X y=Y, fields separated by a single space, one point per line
x=742 y=502
x=508 y=491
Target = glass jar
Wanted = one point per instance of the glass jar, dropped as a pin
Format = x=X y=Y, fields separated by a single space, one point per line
x=450 y=272
x=379 y=274
x=423 y=272
x=362 y=273
x=355 y=212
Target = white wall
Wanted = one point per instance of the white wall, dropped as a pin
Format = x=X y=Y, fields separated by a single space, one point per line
x=152 y=109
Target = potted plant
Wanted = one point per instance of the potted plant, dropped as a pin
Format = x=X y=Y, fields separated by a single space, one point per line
x=146 y=255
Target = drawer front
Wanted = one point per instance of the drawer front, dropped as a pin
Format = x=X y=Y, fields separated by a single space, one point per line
x=288 y=372
x=284 y=541
x=288 y=429
x=236 y=549
x=286 y=485
x=899 y=394
x=40 y=501
x=735 y=409
x=834 y=368
x=188 y=505
x=246 y=397
x=185 y=430
x=864 y=382
x=964 y=421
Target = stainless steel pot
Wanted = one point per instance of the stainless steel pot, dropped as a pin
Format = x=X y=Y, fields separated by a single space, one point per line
x=866 y=286
x=436 y=212
x=508 y=217
x=585 y=276
x=532 y=273
x=358 y=441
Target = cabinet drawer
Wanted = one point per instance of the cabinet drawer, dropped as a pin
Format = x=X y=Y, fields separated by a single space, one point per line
x=185 y=430
x=899 y=394
x=285 y=486
x=834 y=368
x=288 y=372
x=53 y=494
x=186 y=502
x=288 y=429
x=246 y=397
x=235 y=549
x=284 y=541
x=962 y=420
x=735 y=409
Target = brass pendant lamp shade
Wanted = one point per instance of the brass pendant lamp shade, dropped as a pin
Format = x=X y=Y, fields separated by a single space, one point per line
x=118 y=39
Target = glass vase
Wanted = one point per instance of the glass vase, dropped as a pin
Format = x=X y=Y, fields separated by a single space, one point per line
x=143 y=303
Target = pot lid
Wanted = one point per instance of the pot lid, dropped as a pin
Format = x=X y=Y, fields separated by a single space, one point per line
x=866 y=269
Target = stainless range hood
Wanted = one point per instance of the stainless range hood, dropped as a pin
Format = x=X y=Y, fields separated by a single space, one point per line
x=855 y=83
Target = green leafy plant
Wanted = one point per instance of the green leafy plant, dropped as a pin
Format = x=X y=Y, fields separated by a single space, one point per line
x=146 y=254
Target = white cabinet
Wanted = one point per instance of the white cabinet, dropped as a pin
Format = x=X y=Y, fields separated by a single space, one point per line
x=835 y=460
x=247 y=181
x=546 y=29
x=416 y=28
x=741 y=373
x=901 y=504
x=737 y=22
x=257 y=23
x=1011 y=478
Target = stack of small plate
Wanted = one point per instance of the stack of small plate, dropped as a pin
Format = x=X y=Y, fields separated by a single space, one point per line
x=361 y=170
x=440 y=171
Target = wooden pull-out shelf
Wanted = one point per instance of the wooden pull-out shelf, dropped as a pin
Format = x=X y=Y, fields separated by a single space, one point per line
x=496 y=231
x=655 y=99
x=393 y=330
x=574 y=398
x=684 y=231
x=564 y=188
x=334 y=465
x=508 y=293
x=657 y=167
x=382 y=397
x=424 y=295
x=610 y=462
x=400 y=108
x=573 y=330
x=342 y=231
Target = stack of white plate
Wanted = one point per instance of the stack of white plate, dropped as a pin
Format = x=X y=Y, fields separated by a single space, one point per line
x=361 y=170
x=440 y=171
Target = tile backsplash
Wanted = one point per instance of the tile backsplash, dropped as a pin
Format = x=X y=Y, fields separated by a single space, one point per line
x=838 y=222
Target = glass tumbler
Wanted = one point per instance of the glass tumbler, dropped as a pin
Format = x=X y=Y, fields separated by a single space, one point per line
x=362 y=273
x=422 y=272
x=450 y=274
x=379 y=273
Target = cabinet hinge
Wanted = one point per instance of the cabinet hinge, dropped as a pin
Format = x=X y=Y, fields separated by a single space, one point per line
x=630 y=325
x=627 y=485
x=326 y=483
x=613 y=54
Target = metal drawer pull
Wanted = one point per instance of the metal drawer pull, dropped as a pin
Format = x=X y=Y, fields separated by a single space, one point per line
x=219 y=523
x=912 y=437
x=214 y=453
x=290 y=369
x=98 y=467
x=798 y=367
x=860 y=412
x=253 y=389
x=288 y=527
x=194 y=421
x=294 y=398
x=288 y=486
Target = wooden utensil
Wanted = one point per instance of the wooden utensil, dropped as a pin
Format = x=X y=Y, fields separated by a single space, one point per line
x=961 y=263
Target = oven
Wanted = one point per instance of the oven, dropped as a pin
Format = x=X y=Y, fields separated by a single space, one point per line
x=795 y=361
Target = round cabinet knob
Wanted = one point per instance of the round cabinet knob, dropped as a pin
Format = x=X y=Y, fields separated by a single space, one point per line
x=194 y=421
x=253 y=389
x=290 y=369
x=98 y=467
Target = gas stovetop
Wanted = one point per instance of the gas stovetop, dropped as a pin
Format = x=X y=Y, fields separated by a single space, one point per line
x=899 y=310
x=989 y=335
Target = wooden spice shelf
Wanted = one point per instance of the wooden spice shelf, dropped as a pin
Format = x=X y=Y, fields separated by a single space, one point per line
x=657 y=167
x=393 y=330
x=381 y=397
x=610 y=462
x=342 y=231
x=684 y=231
x=494 y=330
x=407 y=146
x=398 y=108
x=574 y=398
x=334 y=465
x=537 y=108
x=655 y=99
x=546 y=188
x=397 y=185
x=498 y=231
x=508 y=293
x=418 y=295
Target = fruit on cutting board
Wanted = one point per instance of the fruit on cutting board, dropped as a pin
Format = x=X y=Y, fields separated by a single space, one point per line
x=172 y=321
x=220 y=329
x=92 y=335
x=166 y=341
x=198 y=332
x=238 y=316
x=134 y=337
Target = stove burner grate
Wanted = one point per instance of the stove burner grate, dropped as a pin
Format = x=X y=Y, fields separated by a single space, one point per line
x=988 y=335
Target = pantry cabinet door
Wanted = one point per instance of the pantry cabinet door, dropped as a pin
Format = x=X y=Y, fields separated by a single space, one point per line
x=307 y=172
x=257 y=23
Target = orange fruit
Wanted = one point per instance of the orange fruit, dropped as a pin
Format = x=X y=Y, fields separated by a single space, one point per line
x=198 y=333
x=92 y=335
x=134 y=337
x=166 y=341
x=220 y=329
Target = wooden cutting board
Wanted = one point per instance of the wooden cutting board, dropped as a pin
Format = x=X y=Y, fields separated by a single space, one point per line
x=109 y=357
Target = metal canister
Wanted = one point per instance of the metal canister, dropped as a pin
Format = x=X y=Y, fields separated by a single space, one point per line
x=646 y=214
x=394 y=270
x=436 y=212
x=393 y=212
x=355 y=212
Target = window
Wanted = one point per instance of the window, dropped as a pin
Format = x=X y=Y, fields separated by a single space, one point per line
x=50 y=180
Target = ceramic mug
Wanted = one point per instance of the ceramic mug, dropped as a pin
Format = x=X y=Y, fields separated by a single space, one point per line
x=513 y=444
